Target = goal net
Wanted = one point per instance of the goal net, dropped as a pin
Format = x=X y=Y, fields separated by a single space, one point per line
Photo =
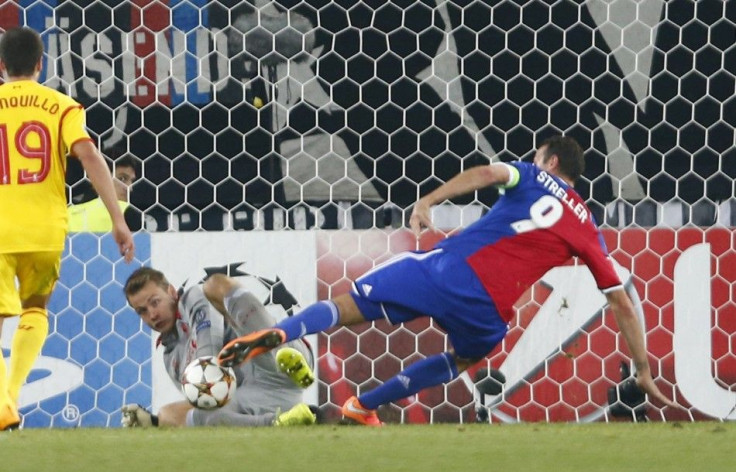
x=323 y=121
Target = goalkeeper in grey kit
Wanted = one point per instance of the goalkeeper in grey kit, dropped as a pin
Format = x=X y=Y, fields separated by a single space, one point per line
x=198 y=321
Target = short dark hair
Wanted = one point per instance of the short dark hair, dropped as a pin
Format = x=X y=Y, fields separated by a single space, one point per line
x=569 y=152
x=140 y=278
x=116 y=157
x=127 y=160
x=20 y=50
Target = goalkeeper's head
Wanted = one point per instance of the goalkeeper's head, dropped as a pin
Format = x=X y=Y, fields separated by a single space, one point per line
x=151 y=295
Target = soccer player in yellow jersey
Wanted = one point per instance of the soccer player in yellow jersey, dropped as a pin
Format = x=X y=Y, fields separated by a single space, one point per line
x=38 y=128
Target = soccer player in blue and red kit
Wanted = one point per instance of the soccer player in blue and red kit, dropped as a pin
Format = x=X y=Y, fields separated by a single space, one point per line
x=469 y=282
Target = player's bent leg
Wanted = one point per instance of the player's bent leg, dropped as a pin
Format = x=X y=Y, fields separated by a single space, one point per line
x=27 y=343
x=299 y=415
x=316 y=318
x=37 y=273
x=349 y=311
x=9 y=417
x=354 y=410
x=293 y=363
x=3 y=370
x=433 y=370
x=249 y=346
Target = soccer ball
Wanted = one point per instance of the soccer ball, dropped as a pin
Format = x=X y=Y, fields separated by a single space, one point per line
x=206 y=384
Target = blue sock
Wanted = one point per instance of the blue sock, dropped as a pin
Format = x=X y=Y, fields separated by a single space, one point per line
x=313 y=319
x=429 y=372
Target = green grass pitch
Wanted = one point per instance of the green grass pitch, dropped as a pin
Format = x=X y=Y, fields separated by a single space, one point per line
x=652 y=447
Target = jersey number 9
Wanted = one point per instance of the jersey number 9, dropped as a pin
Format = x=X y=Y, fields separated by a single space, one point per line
x=544 y=213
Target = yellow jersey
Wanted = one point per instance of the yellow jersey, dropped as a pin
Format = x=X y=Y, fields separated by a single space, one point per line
x=92 y=216
x=38 y=127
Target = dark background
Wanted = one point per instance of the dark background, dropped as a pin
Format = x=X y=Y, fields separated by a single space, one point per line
x=529 y=70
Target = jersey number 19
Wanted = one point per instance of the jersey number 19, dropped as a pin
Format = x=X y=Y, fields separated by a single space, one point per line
x=41 y=152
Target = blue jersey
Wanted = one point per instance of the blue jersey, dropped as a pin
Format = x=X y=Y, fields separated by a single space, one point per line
x=469 y=283
x=537 y=224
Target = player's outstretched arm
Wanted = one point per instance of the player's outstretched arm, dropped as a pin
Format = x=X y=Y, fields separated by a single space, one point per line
x=98 y=173
x=465 y=182
x=633 y=333
x=216 y=287
x=172 y=414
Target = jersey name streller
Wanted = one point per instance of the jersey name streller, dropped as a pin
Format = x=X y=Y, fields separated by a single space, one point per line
x=540 y=211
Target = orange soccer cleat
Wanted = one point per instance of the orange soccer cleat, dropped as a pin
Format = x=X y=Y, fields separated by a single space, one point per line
x=355 y=411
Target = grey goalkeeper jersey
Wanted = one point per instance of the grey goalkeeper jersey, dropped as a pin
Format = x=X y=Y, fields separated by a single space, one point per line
x=201 y=330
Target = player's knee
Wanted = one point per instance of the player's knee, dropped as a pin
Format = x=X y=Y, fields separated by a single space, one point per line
x=463 y=363
x=35 y=301
x=348 y=310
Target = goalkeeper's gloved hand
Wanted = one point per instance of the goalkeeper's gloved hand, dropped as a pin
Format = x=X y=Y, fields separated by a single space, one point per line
x=135 y=416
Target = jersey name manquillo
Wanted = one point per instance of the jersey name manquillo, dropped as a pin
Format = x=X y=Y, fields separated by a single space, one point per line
x=38 y=128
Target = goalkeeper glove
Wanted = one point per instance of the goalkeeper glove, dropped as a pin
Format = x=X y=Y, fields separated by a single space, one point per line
x=135 y=416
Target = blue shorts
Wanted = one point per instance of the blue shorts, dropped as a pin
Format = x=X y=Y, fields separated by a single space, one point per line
x=435 y=284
